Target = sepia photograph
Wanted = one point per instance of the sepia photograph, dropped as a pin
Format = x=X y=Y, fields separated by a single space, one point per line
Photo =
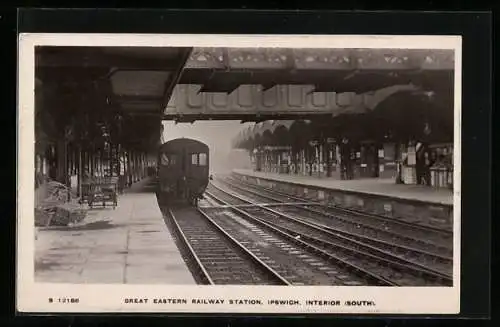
x=204 y=173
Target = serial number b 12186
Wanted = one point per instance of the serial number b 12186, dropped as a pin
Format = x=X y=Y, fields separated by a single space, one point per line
x=64 y=300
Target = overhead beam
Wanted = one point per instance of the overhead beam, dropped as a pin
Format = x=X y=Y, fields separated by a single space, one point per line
x=175 y=76
x=149 y=114
x=251 y=102
x=281 y=99
x=136 y=98
x=312 y=59
x=219 y=88
x=244 y=117
x=359 y=81
x=139 y=107
x=86 y=59
x=210 y=58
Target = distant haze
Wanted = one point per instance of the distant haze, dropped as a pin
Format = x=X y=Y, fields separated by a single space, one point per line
x=218 y=135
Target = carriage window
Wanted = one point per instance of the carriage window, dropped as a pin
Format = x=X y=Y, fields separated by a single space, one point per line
x=203 y=159
x=194 y=159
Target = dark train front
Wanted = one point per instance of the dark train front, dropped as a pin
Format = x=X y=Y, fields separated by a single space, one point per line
x=183 y=171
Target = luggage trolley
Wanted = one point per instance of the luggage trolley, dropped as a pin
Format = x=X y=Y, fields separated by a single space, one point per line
x=103 y=190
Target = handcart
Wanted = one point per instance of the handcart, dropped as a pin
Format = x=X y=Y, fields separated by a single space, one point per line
x=103 y=190
x=86 y=187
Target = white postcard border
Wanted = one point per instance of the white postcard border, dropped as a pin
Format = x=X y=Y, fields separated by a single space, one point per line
x=32 y=297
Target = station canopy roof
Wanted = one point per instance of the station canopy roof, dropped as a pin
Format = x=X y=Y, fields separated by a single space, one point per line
x=398 y=110
x=138 y=81
x=328 y=70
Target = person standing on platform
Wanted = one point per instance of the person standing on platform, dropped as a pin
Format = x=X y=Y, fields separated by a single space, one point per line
x=427 y=168
x=349 y=163
x=420 y=166
x=345 y=159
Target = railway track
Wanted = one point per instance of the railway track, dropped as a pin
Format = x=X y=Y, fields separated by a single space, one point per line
x=419 y=233
x=436 y=245
x=215 y=256
x=300 y=262
x=387 y=265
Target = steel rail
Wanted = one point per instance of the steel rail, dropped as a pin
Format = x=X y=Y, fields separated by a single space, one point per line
x=351 y=211
x=416 y=266
x=254 y=258
x=379 y=280
x=404 y=237
x=204 y=273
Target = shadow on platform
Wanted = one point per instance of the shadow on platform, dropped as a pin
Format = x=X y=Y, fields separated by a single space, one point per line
x=147 y=185
x=96 y=225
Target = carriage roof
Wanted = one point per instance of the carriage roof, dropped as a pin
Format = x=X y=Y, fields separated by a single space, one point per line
x=183 y=143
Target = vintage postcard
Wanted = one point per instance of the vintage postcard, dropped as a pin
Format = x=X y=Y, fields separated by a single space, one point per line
x=239 y=174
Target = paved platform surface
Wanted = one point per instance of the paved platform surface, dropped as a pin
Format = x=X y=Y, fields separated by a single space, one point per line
x=375 y=186
x=128 y=245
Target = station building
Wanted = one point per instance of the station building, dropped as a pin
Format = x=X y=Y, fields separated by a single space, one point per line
x=343 y=113
x=408 y=137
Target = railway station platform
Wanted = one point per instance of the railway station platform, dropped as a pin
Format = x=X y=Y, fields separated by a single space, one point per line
x=128 y=245
x=412 y=203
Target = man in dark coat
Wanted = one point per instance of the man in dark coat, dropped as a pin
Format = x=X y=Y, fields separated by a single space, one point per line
x=345 y=159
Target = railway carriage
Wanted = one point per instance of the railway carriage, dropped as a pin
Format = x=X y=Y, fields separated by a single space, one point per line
x=183 y=171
